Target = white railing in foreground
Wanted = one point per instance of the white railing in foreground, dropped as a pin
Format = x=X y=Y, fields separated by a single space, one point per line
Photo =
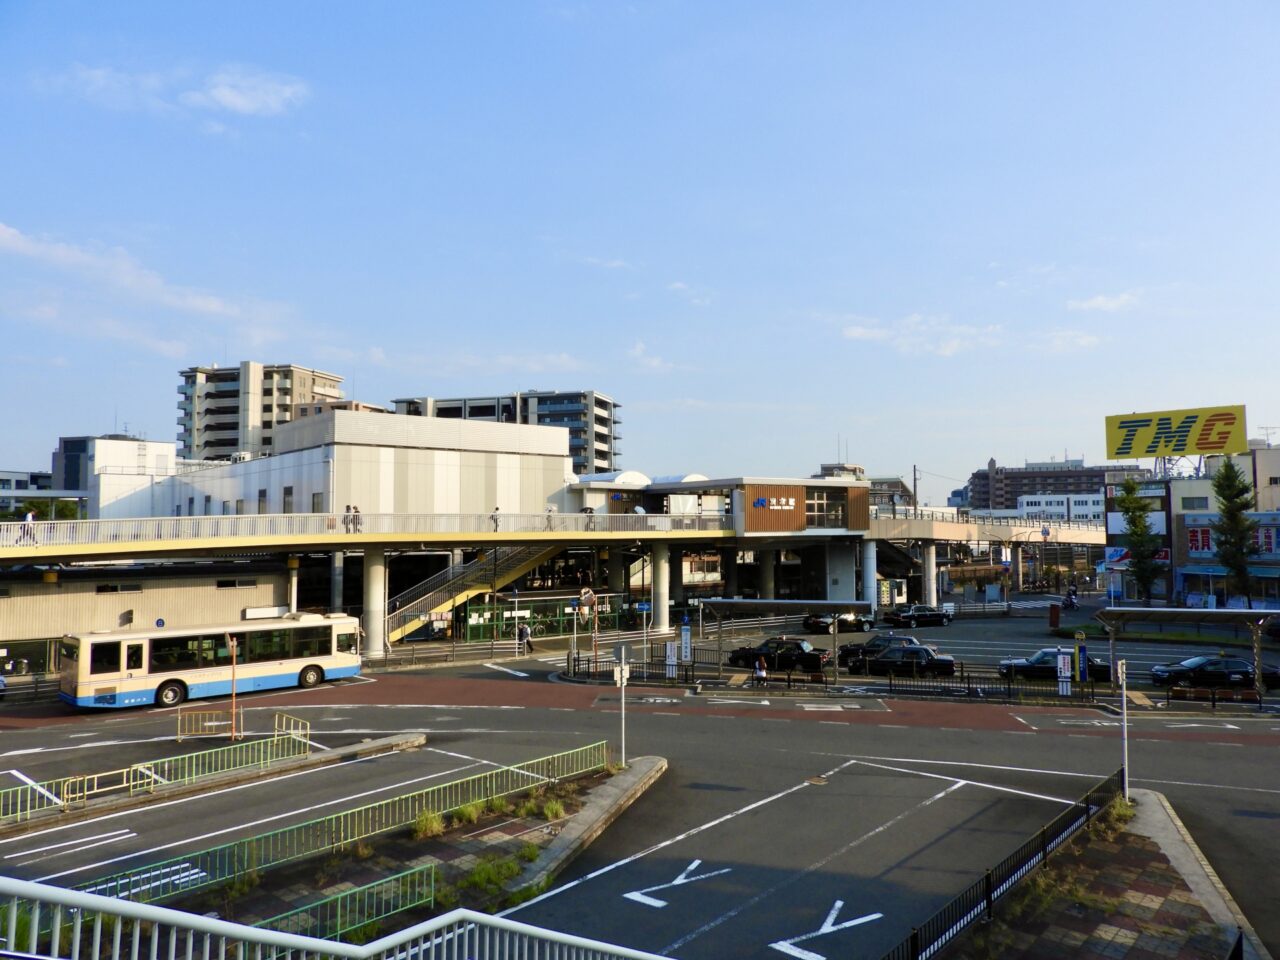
x=339 y=526
x=43 y=921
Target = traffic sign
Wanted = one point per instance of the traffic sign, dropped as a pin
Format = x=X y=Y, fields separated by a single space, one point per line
x=643 y=606
x=1080 y=637
x=159 y=621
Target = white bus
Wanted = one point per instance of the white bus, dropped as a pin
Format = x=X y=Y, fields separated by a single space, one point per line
x=168 y=665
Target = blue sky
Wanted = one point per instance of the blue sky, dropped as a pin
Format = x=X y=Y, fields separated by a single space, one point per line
x=932 y=233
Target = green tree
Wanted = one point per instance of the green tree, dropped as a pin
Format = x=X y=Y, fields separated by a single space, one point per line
x=1143 y=545
x=1234 y=529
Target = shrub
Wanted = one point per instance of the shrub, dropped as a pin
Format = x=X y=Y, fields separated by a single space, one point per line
x=553 y=809
x=447 y=897
x=490 y=876
x=528 y=852
x=428 y=824
x=468 y=813
x=527 y=808
x=498 y=805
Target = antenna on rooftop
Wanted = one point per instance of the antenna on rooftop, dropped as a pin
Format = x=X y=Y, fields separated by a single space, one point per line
x=1267 y=432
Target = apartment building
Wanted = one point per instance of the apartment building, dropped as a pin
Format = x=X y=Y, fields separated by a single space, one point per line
x=590 y=417
x=998 y=488
x=14 y=485
x=228 y=410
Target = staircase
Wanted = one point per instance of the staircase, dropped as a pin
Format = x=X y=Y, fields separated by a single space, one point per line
x=459 y=583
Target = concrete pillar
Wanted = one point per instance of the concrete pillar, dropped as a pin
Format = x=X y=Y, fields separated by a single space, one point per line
x=766 y=560
x=930 y=573
x=292 y=564
x=869 y=592
x=1015 y=566
x=661 y=582
x=842 y=571
x=375 y=601
x=618 y=565
x=336 y=564
x=729 y=572
x=676 y=583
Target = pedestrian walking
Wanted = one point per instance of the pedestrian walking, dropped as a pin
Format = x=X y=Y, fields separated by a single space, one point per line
x=28 y=532
x=494 y=519
x=357 y=521
x=524 y=635
x=346 y=520
x=761 y=673
x=551 y=512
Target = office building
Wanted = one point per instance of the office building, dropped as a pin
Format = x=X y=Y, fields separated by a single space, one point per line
x=589 y=416
x=14 y=485
x=233 y=410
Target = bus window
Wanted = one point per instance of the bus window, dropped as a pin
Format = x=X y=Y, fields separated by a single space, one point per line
x=262 y=646
x=174 y=653
x=346 y=643
x=133 y=656
x=68 y=651
x=214 y=651
x=105 y=657
x=311 y=642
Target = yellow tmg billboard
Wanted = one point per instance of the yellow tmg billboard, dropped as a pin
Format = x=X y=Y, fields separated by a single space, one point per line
x=1176 y=433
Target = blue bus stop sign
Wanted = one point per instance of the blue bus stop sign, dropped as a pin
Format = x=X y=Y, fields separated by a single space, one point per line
x=159 y=621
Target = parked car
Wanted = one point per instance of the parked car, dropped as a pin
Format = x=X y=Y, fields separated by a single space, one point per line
x=1213 y=672
x=846 y=622
x=783 y=654
x=917 y=615
x=912 y=661
x=854 y=655
x=1043 y=665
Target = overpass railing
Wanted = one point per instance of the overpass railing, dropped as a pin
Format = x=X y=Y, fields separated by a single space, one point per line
x=71 y=533
x=944 y=516
x=47 y=922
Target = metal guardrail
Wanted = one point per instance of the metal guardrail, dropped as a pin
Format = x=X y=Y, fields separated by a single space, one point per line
x=69 y=533
x=203 y=722
x=239 y=858
x=56 y=924
x=349 y=910
x=979 y=899
x=21 y=802
x=941 y=516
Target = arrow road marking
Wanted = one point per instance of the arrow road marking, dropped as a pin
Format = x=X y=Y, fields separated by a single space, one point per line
x=639 y=895
x=753 y=703
x=828 y=926
x=517 y=673
x=1211 y=726
x=1090 y=723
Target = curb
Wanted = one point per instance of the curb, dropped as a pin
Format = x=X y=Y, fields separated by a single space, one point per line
x=105 y=805
x=609 y=802
x=1225 y=911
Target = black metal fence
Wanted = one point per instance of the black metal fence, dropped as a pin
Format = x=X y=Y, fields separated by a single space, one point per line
x=979 y=899
x=980 y=685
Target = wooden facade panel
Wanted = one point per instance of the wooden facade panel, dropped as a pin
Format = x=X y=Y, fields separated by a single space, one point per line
x=859 y=508
x=774 y=508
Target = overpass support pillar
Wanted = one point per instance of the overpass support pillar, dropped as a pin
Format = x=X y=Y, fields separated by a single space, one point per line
x=661 y=587
x=767 y=561
x=930 y=573
x=869 y=573
x=842 y=571
x=729 y=572
x=292 y=564
x=618 y=566
x=375 y=601
x=1015 y=565
x=336 y=571
x=677 y=577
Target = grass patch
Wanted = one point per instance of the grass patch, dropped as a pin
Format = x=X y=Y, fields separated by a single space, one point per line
x=468 y=813
x=498 y=805
x=528 y=852
x=428 y=824
x=527 y=808
x=527 y=893
x=552 y=809
x=489 y=878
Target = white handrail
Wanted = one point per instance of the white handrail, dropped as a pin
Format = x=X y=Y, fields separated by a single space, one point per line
x=187 y=935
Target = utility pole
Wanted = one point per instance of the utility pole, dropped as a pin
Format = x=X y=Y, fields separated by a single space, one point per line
x=915 y=488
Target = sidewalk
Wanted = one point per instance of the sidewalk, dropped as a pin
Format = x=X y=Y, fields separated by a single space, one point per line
x=1142 y=893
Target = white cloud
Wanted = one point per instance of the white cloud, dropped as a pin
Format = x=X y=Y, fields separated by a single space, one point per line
x=918 y=333
x=135 y=336
x=232 y=88
x=1105 y=303
x=678 y=285
x=114 y=89
x=614 y=263
x=249 y=91
x=117 y=269
x=1070 y=341
x=694 y=295
x=641 y=355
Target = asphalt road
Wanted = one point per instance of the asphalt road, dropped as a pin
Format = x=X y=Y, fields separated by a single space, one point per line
x=912 y=799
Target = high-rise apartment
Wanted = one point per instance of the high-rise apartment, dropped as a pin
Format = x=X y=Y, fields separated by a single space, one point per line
x=229 y=410
x=998 y=488
x=589 y=416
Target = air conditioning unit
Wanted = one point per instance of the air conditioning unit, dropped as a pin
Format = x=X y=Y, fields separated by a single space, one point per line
x=240 y=456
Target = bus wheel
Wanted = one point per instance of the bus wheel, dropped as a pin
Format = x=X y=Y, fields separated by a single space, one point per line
x=171 y=694
x=310 y=676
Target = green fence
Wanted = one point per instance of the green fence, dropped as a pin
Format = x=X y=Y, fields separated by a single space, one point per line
x=20 y=803
x=331 y=917
x=546 y=618
x=221 y=864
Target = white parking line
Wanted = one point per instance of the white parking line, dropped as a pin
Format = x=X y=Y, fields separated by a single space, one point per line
x=70 y=843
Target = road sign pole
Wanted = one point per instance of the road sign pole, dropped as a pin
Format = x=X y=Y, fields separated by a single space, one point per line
x=622 y=686
x=1124 y=726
